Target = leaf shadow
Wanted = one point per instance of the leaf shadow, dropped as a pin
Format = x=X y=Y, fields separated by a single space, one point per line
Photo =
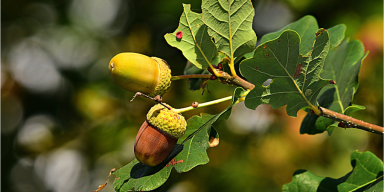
x=140 y=170
x=331 y=184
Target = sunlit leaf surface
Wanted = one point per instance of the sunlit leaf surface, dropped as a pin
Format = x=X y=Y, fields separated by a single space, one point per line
x=295 y=78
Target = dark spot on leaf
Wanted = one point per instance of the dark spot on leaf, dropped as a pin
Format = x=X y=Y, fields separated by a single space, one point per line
x=266 y=54
x=179 y=34
x=213 y=77
x=179 y=161
x=255 y=68
x=170 y=162
x=320 y=32
x=308 y=92
x=299 y=69
x=332 y=82
x=264 y=47
x=278 y=41
x=173 y=162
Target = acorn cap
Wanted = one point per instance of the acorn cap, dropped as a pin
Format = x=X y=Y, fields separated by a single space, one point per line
x=167 y=120
x=139 y=73
x=164 y=79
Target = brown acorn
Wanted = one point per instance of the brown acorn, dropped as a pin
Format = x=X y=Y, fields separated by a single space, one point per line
x=158 y=135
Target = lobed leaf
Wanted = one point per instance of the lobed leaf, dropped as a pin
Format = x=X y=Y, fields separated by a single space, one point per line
x=187 y=154
x=366 y=175
x=230 y=24
x=296 y=80
x=195 y=43
x=195 y=147
x=140 y=177
x=306 y=27
x=341 y=65
x=194 y=152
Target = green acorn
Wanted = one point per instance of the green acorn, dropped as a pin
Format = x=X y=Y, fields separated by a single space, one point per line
x=158 y=135
x=139 y=73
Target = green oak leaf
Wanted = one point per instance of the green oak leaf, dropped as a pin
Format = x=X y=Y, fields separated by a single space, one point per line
x=295 y=78
x=343 y=66
x=187 y=154
x=366 y=175
x=336 y=35
x=195 y=43
x=353 y=108
x=195 y=147
x=194 y=152
x=230 y=24
x=306 y=27
x=140 y=177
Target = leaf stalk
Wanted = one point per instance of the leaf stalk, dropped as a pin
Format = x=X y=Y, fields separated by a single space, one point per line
x=214 y=70
x=232 y=67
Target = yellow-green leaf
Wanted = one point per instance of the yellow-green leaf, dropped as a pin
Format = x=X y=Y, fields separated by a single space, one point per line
x=230 y=24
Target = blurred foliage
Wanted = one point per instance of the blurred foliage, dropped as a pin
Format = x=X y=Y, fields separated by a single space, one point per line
x=66 y=124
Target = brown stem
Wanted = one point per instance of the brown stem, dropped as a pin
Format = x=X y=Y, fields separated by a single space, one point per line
x=223 y=78
x=235 y=80
x=351 y=122
x=205 y=76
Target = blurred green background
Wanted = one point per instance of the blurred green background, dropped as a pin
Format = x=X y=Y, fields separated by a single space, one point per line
x=65 y=124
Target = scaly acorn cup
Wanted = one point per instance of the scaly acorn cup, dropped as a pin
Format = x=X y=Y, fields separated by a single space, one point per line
x=158 y=135
x=139 y=73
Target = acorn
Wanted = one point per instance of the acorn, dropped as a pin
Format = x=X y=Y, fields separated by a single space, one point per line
x=140 y=73
x=158 y=135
